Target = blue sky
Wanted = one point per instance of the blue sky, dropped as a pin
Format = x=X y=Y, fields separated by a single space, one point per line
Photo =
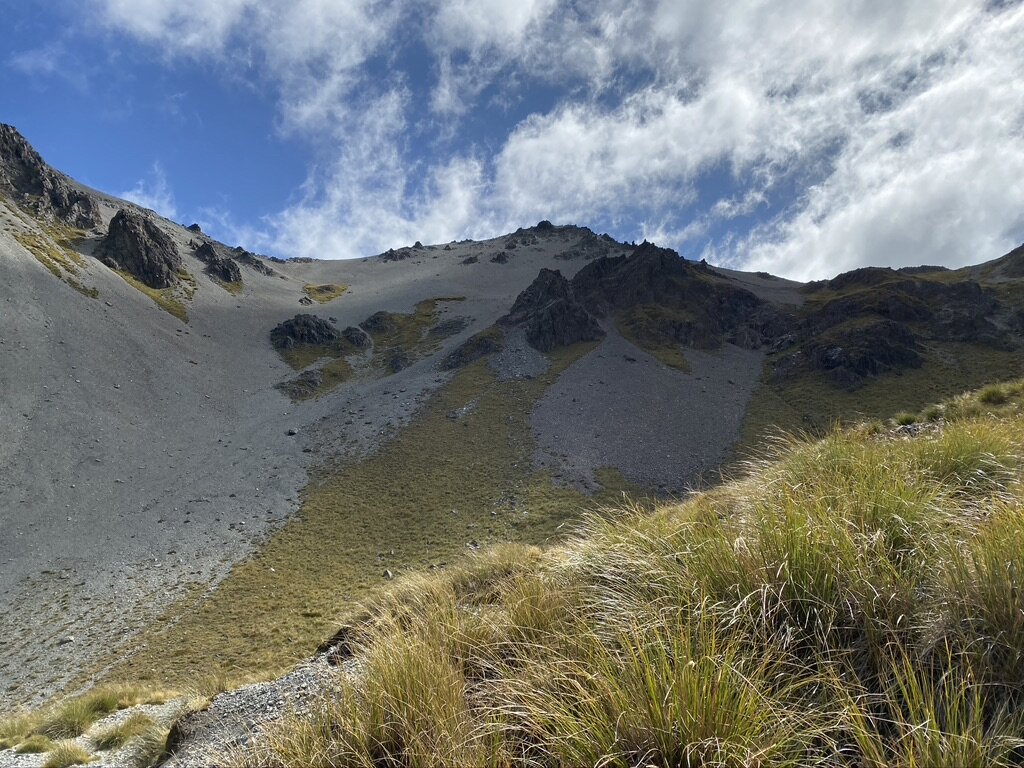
x=802 y=137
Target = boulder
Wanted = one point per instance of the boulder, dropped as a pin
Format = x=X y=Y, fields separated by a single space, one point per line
x=218 y=265
x=136 y=245
x=380 y=322
x=357 y=337
x=303 y=329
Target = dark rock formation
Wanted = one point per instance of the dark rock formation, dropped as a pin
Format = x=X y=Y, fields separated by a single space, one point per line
x=303 y=329
x=218 y=265
x=38 y=188
x=252 y=261
x=501 y=257
x=356 y=337
x=471 y=259
x=544 y=226
x=195 y=228
x=380 y=323
x=551 y=314
x=851 y=353
x=136 y=245
x=477 y=346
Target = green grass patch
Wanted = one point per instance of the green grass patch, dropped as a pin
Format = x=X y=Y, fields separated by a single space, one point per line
x=167 y=299
x=853 y=601
x=649 y=327
x=62 y=261
x=324 y=293
x=410 y=506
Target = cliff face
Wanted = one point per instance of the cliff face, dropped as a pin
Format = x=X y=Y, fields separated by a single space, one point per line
x=36 y=186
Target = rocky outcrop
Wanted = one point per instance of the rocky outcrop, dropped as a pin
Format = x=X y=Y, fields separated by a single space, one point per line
x=303 y=329
x=303 y=386
x=219 y=265
x=38 y=188
x=551 y=315
x=477 y=346
x=851 y=353
x=356 y=337
x=501 y=257
x=136 y=245
x=380 y=323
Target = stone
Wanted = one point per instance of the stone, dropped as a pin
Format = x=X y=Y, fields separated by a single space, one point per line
x=357 y=337
x=303 y=329
x=136 y=245
x=551 y=314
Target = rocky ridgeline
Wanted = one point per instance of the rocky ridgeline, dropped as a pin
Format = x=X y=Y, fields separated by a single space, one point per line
x=874 y=320
x=40 y=189
x=218 y=264
x=688 y=305
x=134 y=244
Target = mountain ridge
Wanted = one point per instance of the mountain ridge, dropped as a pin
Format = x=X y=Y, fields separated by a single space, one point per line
x=162 y=439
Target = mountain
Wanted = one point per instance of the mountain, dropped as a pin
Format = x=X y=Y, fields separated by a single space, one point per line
x=208 y=455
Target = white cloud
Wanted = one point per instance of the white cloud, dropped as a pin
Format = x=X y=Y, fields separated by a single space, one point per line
x=154 y=193
x=899 y=125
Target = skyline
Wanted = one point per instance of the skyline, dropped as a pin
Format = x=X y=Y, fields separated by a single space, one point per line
x=798 y=139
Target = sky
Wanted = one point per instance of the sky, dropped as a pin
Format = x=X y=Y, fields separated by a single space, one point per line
x=799 y=137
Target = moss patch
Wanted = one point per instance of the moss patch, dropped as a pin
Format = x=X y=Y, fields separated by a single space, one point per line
x=411 y=506
x=55 y=253
x=324 y=293
x=168 y=299
x=648 y=326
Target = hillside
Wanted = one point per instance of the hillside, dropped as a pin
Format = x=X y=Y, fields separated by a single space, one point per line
x=851 y=601
x=209 y=455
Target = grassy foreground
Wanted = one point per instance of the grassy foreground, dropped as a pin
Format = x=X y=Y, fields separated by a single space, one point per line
x=854 y=601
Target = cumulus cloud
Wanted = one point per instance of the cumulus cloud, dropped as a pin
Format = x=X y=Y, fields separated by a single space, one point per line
x=866 y=132
x=153 y=193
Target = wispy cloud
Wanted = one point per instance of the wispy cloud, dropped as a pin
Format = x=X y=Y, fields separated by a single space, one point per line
x=154 y=193
x=883 y=132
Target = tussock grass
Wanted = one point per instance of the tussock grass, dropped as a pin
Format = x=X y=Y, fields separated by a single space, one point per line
x=34 y=745
x=72 y=717
x=117 y=736
x=66 y=754
x=852 y=601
